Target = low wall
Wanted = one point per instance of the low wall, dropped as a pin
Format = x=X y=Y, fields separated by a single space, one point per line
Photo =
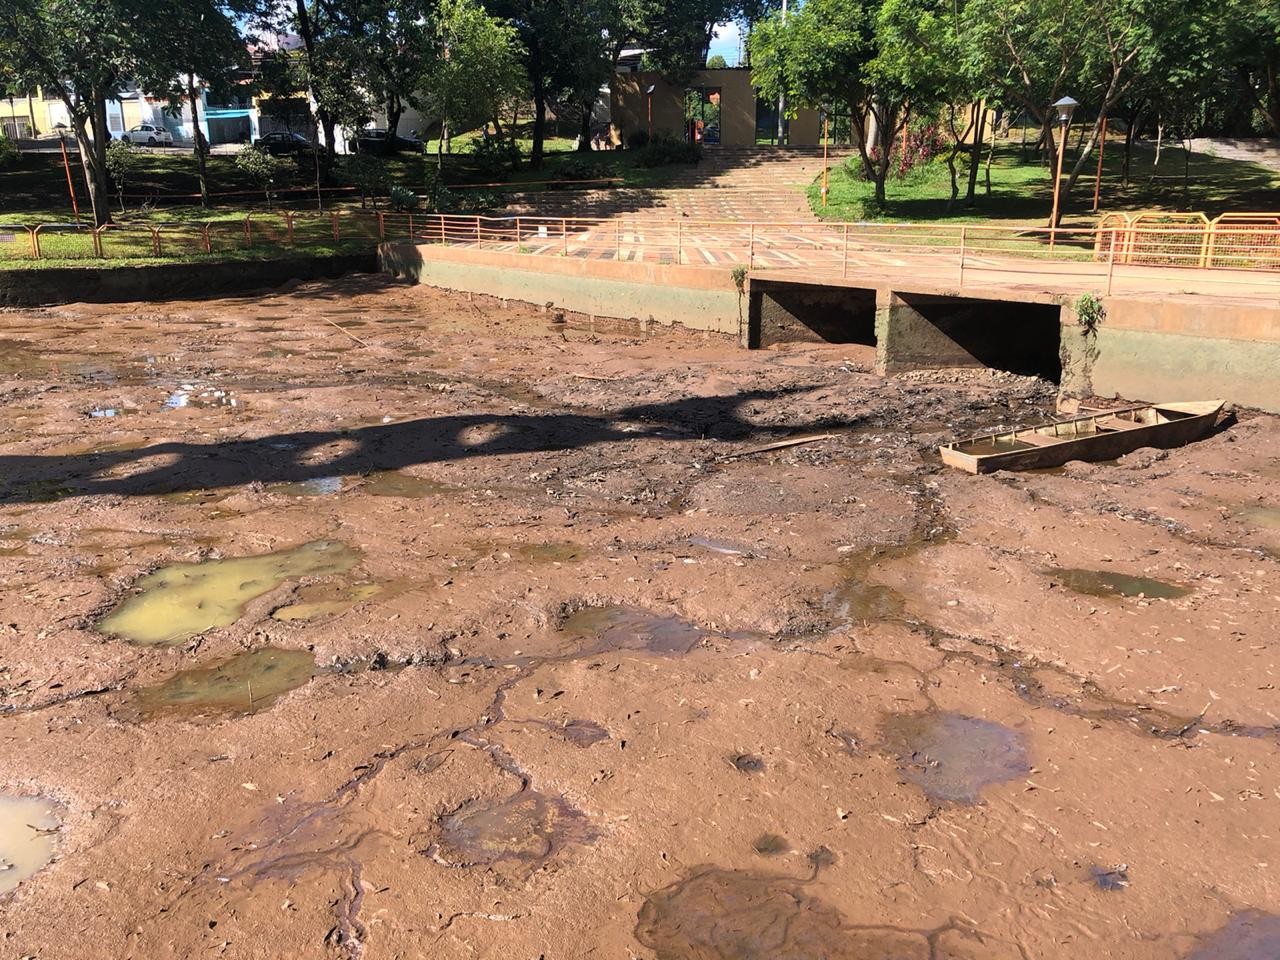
x=692 y=297
x=1183 y=350
x=33 y=287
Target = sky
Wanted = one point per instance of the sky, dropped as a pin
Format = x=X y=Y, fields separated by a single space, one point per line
x=726 y=43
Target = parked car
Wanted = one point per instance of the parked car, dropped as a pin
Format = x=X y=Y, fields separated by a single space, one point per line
x=282 y=143
x=374 y=140
x=151 y=134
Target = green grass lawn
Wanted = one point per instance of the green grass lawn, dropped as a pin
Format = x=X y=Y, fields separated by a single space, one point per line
x=1021 y=189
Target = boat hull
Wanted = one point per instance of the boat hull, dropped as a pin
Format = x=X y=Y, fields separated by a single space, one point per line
x=1090 y=448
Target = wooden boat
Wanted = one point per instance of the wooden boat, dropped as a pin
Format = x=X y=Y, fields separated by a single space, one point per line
x=1101 y=436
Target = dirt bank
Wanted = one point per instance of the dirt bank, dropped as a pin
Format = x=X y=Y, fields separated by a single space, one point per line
x=522 y=647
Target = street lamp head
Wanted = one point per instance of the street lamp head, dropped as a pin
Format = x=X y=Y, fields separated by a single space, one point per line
x=1065 y=107
x=649 y=89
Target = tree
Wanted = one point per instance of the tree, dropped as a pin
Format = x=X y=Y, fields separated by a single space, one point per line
x=84 y=52
x=478 y=66
x=1252 y=29
x=716 y=62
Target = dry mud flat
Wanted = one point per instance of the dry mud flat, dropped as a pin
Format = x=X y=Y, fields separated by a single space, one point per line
x=366 y=621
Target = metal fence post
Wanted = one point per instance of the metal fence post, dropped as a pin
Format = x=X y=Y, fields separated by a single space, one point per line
x=337 y=231
x=410 y=227
x=97 y=242
x=564 y=234
x=1111 y=261
x=517 y=234
x=478 y=237
x=751 y=247
x=617 y=240
x=382 y=227
x=679 y=241
x=248 y=232
x=155 y=241
x=288 y=228
x=963 y=234
x=844 y=253
x=204 y=237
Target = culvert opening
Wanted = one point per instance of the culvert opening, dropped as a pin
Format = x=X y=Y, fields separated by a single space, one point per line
x=927 y=331
x=811 y=313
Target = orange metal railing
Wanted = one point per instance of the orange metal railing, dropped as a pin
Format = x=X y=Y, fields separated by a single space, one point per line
x=1240 y=250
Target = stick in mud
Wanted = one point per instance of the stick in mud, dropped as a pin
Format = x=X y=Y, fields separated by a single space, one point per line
x=780 y=445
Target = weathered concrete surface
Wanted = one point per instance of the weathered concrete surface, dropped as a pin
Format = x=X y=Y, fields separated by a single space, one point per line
x=38 y=287
x=917 y=331
x=693 y=297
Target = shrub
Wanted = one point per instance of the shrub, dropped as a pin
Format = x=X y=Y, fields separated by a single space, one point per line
x=495 y=155
x=580 y=168
x=481 y=200
x=637 y=139
x=122 y=160
x=664 y=150
x=402 y=199
x=9 y=155
x=267 y=171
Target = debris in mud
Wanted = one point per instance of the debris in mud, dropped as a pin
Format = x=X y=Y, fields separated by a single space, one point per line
x=529 y=827
x=951 y=756
x=28 y=838
x=391 y=483
x=109 y=412
x=583 y=733
x=312 y=487
x=1110 y=879
x=243 y=684
x=178 y=602
x=324 y=599
x=747 y=763
x=1107 y=583
x=770 y=845
x=191 y=396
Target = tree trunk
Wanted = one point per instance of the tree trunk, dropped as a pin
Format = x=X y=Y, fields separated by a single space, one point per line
x=90 y=141
x=539 y=122
x=1186 y=171
x=975 y=157
x=1129 y=133
x=395 y=110
x=202 y=146
x=584 y=134
x=1159 y=141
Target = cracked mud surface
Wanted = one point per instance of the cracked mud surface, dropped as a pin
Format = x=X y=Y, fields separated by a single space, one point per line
x=599 y=679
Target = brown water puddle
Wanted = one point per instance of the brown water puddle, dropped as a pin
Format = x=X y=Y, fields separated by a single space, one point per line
x=529 y=828
x=718 y=914
x=770 y=845
x=180 y=601
x=1248 y=935
x=1261 y=516
x=1108 y=583
x=28 y=838
x=312 y=487
x=599 y=629
x=243 y=684
x=952 y=757
x=391 y=483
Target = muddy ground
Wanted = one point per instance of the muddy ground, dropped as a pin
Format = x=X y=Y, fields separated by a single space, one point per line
x=527 y=651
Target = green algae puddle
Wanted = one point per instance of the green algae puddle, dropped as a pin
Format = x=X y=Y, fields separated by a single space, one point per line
x=178 y=602
x=1108 y=583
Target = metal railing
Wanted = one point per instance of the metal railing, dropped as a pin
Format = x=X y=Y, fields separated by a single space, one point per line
x=1240 y=251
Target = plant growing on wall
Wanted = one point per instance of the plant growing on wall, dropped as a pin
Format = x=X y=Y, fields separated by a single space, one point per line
x=1090 y=312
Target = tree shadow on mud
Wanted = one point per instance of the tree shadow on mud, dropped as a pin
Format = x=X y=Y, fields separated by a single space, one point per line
x=174 y=467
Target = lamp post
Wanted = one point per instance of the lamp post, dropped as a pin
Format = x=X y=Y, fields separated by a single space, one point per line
x=1065 y=108
x=648 y=96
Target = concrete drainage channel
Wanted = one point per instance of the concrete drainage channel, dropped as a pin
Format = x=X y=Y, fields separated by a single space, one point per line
x=167 y=281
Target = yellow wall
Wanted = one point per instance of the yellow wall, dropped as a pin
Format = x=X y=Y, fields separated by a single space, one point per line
x=737 y=107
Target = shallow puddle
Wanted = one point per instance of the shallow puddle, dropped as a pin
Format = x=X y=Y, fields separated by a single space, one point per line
x=537 y=552
x=180 y=601
x=717 y=914
x=529 y=827
x=245 y=683
x=1248 y=935
x=631 y=628
x=324 y=599
x=109 y=412
x=770 y=845
x=952 y=757
x=717 y=546
x=1260 y=516
x=189 y=396
x=1107 y=583
x=390 y=483
x=28 y=834
x=314 y=487
x=583 y=733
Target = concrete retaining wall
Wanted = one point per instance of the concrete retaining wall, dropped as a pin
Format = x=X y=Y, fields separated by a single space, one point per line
x=692 y=297
x=169 y=281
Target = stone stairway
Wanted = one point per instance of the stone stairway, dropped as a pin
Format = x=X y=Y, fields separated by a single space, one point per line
x=760 y=184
